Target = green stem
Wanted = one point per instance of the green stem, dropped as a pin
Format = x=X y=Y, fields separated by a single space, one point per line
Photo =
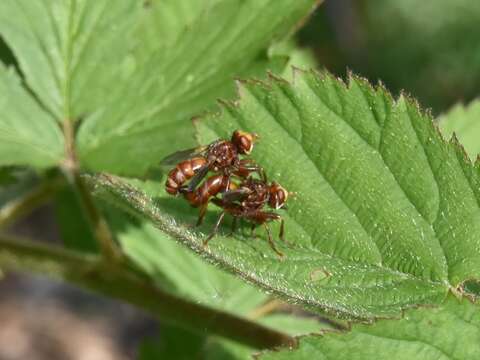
x=107 y=278
x=28 y=202
x=99 y=225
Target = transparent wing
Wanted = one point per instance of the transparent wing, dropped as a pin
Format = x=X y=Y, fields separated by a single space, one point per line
x=198 y=177
x=235 y=195
x=176 y=157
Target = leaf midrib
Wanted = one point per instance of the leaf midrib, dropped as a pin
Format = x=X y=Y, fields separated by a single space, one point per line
x=439 y=208
x=141 y=204
x=86 y=76
x=34 y=33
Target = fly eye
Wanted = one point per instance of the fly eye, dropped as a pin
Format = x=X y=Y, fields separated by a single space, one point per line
x=278 y=205
x=246 y=145
x=280 y=197
x=280 y=201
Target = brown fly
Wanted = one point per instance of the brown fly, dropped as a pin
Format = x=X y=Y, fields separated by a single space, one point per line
x=221 y=156
x=248 y=201
x=211 y=187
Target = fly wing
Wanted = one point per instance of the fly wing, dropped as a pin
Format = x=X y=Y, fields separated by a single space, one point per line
x=176 y=157
x=198 y=177
x=235 y=195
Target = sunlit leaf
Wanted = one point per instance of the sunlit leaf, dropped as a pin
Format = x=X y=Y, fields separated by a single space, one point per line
x=179 y=271
x=28 y=134
x=86 y=61
x=177 y=81
x=448 y=332
x=386 y=214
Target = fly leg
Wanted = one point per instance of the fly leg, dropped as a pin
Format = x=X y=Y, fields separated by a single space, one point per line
x=270 y=241
x=201 y=215
x=252 y=231
x=248 y=166
x=215 y=229
x=282 y=230
x=262 y=217
x=234 y=225
x=227 y=185
x=183 y=189
x=261 y=172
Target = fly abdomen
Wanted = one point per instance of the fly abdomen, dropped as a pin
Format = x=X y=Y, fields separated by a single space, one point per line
x=182 y=173
x=210 y=187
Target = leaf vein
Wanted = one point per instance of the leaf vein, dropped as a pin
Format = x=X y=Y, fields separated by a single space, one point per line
x=315 y=165
x=446 y=268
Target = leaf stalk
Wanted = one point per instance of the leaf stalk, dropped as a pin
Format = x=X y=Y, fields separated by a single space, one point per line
x=101 y=230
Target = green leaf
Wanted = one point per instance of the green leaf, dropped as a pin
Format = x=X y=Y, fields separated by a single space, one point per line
x=175 y=343
x=451 y=331
x=6 y=56
x=229 y=39
x=386 y=215
x=72 y=52
x=464 y=121
x=177 y=270
x=472 y=288
x=295 y=324
x=74 y=227
x=298 y=57
x=180 y=272
x=170 y=18
x=28 y=134
x=15 y=181
x=24 y=190
x=86 y=61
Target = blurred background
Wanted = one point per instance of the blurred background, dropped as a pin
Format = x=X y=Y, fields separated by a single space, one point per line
x=428 y=49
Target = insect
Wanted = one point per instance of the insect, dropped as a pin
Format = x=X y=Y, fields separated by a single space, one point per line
x=212 y=186
x=221 y=156
x=247 y=202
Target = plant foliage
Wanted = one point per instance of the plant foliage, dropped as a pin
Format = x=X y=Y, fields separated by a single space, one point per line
x=451 y=331
x=375 y=226
x=89 y=62
x=384 y=223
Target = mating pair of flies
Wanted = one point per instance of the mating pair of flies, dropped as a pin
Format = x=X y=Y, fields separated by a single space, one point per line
x=232 y=185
